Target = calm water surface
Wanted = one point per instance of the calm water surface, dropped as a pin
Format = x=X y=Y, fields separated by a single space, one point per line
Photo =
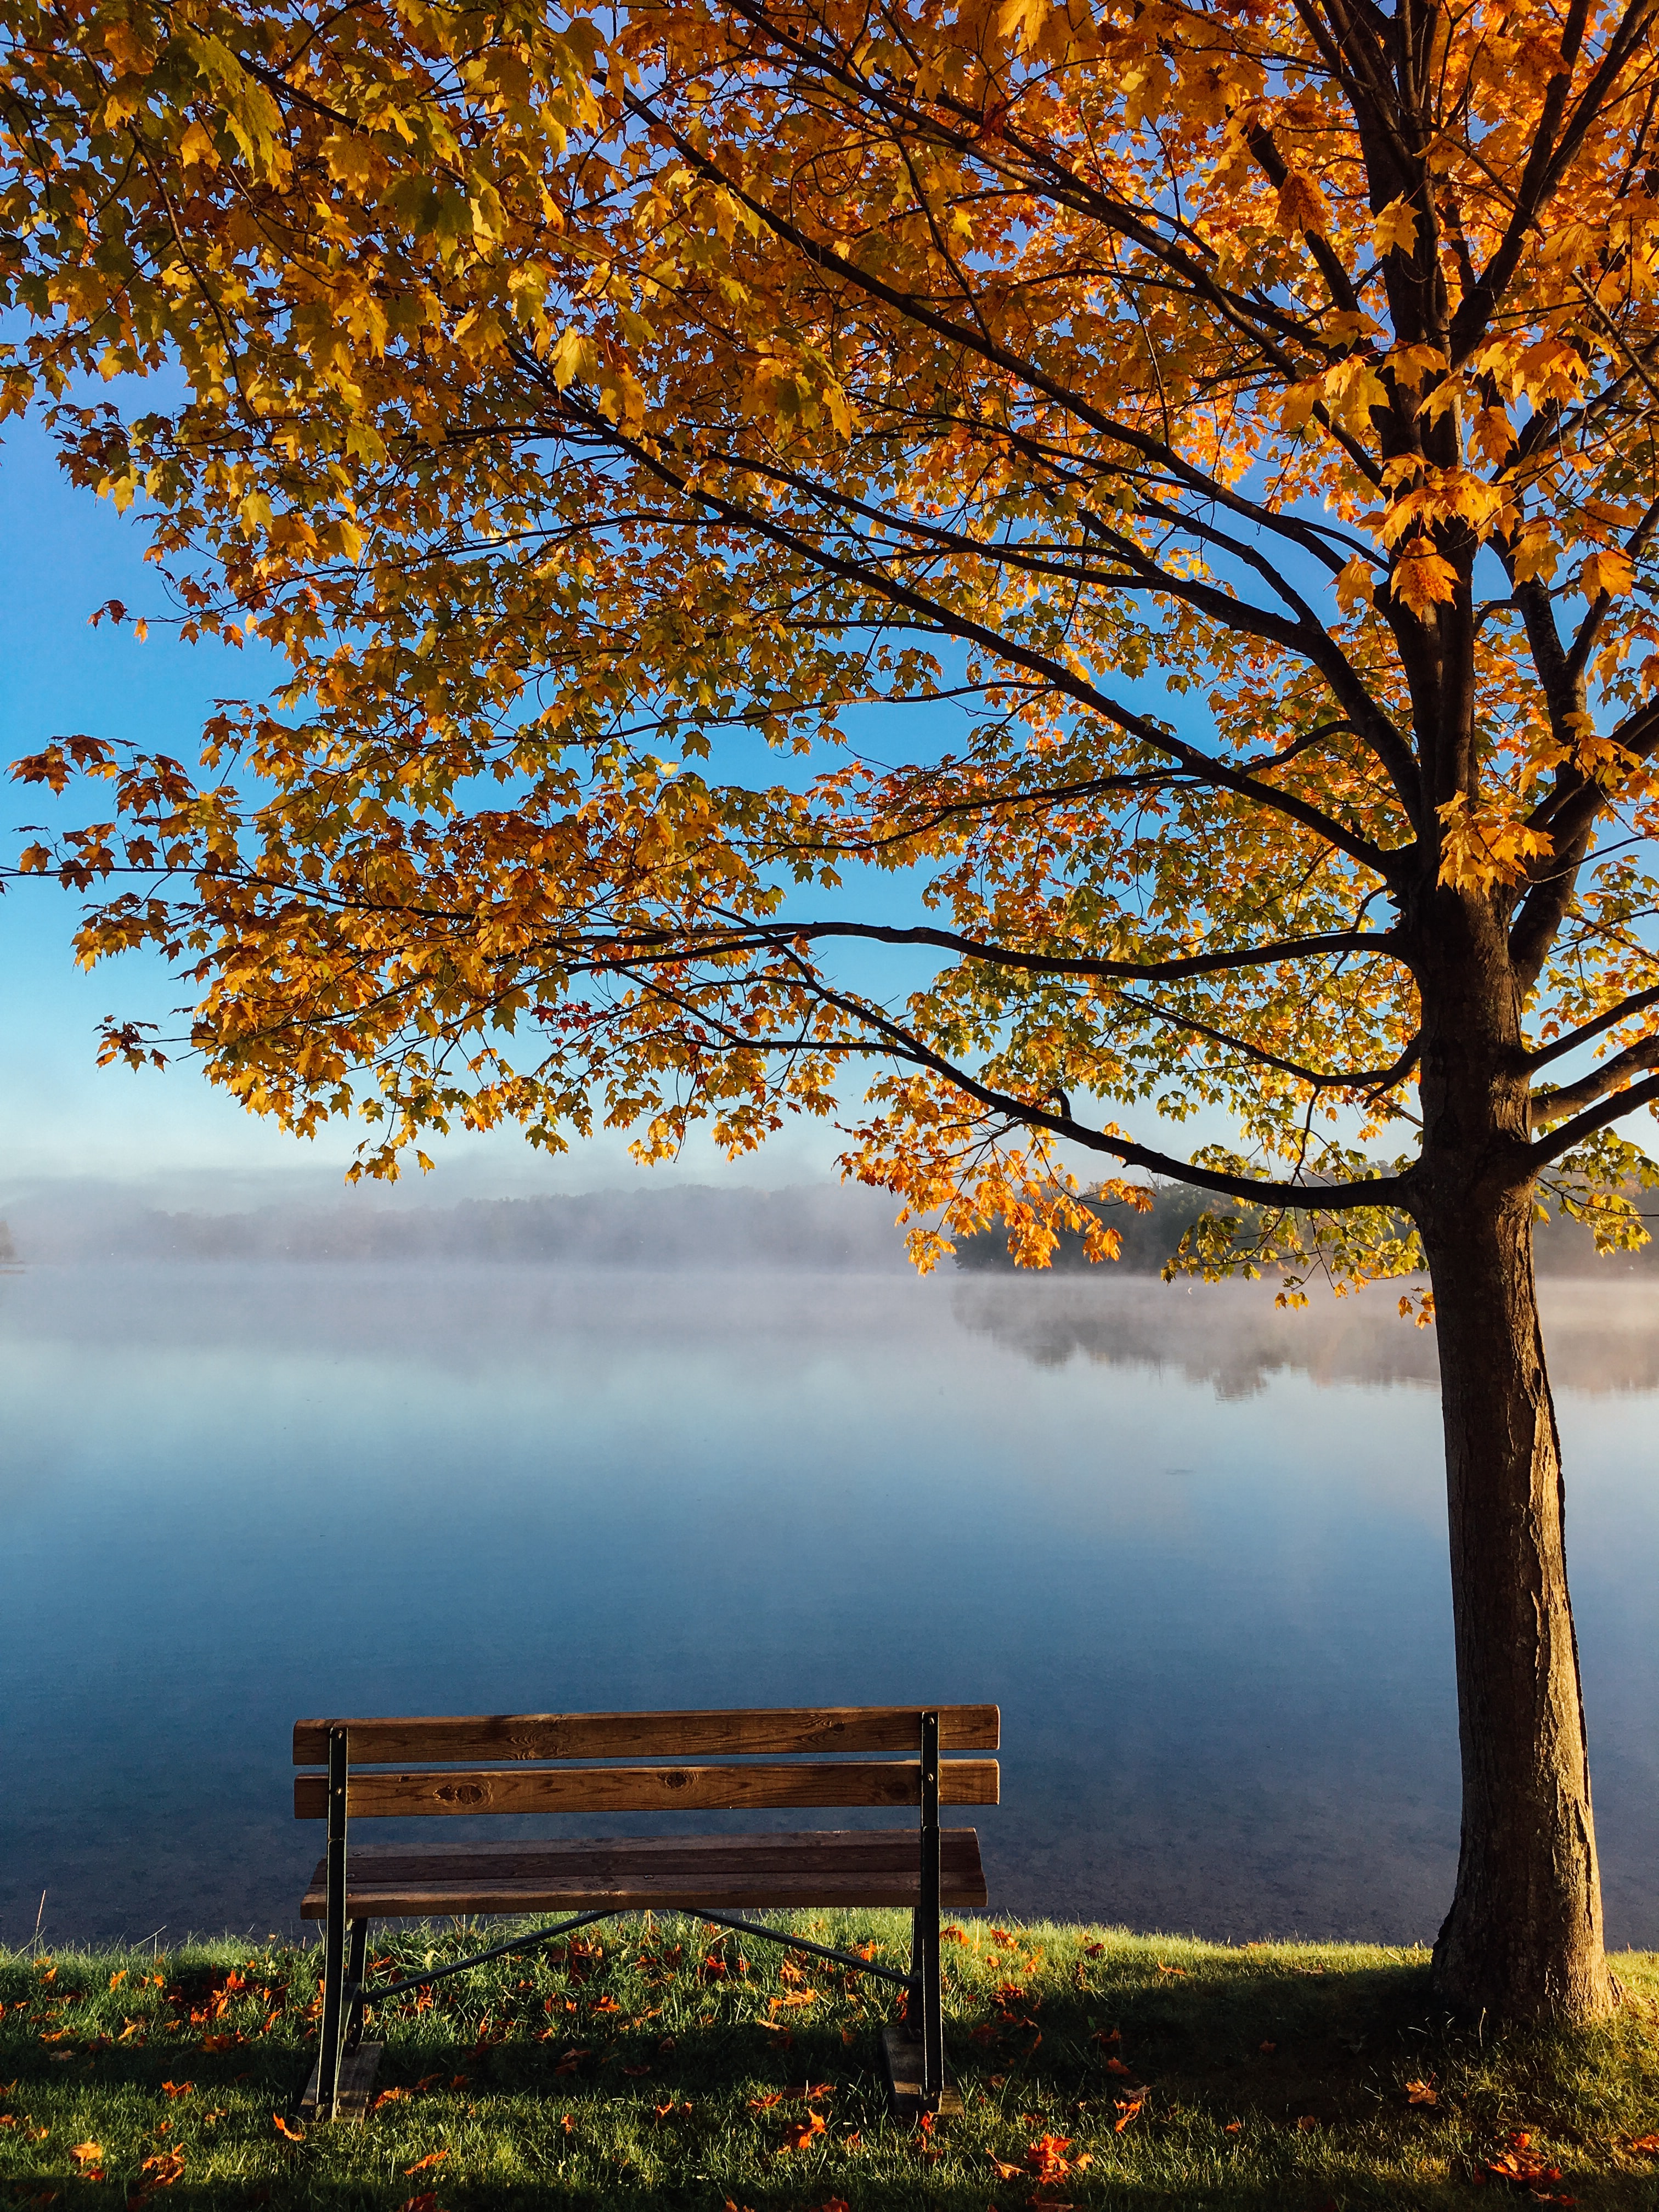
x=1194 y=1548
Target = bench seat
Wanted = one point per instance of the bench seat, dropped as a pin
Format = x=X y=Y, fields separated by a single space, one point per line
x=823 y=1867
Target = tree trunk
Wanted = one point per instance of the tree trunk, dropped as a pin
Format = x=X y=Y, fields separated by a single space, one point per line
x=1523 y=1937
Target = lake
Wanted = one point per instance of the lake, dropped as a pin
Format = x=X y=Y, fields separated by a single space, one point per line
x=1194 y=1547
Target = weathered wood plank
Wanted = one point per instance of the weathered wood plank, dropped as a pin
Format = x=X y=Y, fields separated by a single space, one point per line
x=374 y=1794
x=778 y=1733
x=825 y=1868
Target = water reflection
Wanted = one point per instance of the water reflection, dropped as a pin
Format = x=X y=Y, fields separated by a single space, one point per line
x=1601 y=1337
x=1194 y=1547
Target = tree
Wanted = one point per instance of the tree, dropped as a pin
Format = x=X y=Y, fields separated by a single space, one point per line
x=1240 y=415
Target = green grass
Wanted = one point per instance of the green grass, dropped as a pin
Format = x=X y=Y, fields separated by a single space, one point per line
x=1273 y=2076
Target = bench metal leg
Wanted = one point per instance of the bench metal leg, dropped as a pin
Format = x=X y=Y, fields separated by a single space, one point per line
x=354 y=1983
x=925 y=1940
x=334 y=1932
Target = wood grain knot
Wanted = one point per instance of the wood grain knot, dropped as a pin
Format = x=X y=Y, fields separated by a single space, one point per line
x=675 y=1778
x=463 y=1793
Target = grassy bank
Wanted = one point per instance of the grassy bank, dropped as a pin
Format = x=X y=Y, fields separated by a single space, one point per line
x=658 y=2065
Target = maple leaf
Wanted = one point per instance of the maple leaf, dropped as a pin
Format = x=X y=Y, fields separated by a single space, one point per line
x=1420 y=2092
x=802 y=2132
x=88 y=2154
x=1302 y=205
x=1423 y=578
x=1394 y=229
x=285 y=2127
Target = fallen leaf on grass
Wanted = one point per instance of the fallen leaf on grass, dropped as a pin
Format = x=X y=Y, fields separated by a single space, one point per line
x=432 y=2158
x=1115 y=2066
x=1095 y=1950
x=457 y=2081
x=1127 y=2108
x=1419 y=2093
x=387 y=2097
x=1307 y=2124
x=1047 y=2161
x=116 y=1979
x=1521 y=2164
x=86 y=2154
x=1003 y=2171
x=286 y=2127
x=1648 y=2143
x=1178 y=1971
x=1107 y=2035
x=426 y=2202
x=1233 y=2128
x=800 y=2133
x=159 y=2171
x=1266 y=2047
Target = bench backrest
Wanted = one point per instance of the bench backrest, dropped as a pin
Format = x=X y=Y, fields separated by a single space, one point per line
x=794 y=1756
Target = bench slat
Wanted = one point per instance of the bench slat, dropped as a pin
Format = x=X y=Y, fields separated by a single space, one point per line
x=822 y=1867
x=778 y=1733
x=376 y=1794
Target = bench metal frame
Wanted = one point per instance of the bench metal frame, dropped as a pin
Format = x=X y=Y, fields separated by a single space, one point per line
x=345 y=1941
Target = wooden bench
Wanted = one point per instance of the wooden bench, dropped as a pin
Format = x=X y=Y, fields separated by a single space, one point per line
x=608 y=1763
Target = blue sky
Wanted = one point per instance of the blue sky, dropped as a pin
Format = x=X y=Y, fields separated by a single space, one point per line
x=62 y=554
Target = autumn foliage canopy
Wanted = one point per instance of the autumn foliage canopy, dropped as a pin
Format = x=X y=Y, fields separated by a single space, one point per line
x=1226 y=431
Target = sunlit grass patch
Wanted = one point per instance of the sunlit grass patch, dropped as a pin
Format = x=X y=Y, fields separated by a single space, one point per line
x=669 y=2061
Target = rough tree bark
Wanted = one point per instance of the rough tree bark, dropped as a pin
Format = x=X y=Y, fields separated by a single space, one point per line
x=1523 y=1938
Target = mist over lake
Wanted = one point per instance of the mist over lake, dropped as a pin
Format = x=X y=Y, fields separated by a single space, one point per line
x=1194 y=1547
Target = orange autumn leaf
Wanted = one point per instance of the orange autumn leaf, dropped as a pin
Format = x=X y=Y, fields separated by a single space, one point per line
x=802 y=2132
x=1421 y=2092
x=286 y=2127
x=1649 y=2144
x=1127 y=2109
x=177 y=2088
x=432 y=2158
x=86 y=2154
x=1002 y=2170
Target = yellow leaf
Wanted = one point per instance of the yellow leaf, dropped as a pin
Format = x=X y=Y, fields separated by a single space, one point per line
x=1609 y=570
x=1302 y=206
x=1022 y=20
x=1395 y=229
x=571 y=358
x=1355 y=584
x=1481 y=846
x=1422 y=579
